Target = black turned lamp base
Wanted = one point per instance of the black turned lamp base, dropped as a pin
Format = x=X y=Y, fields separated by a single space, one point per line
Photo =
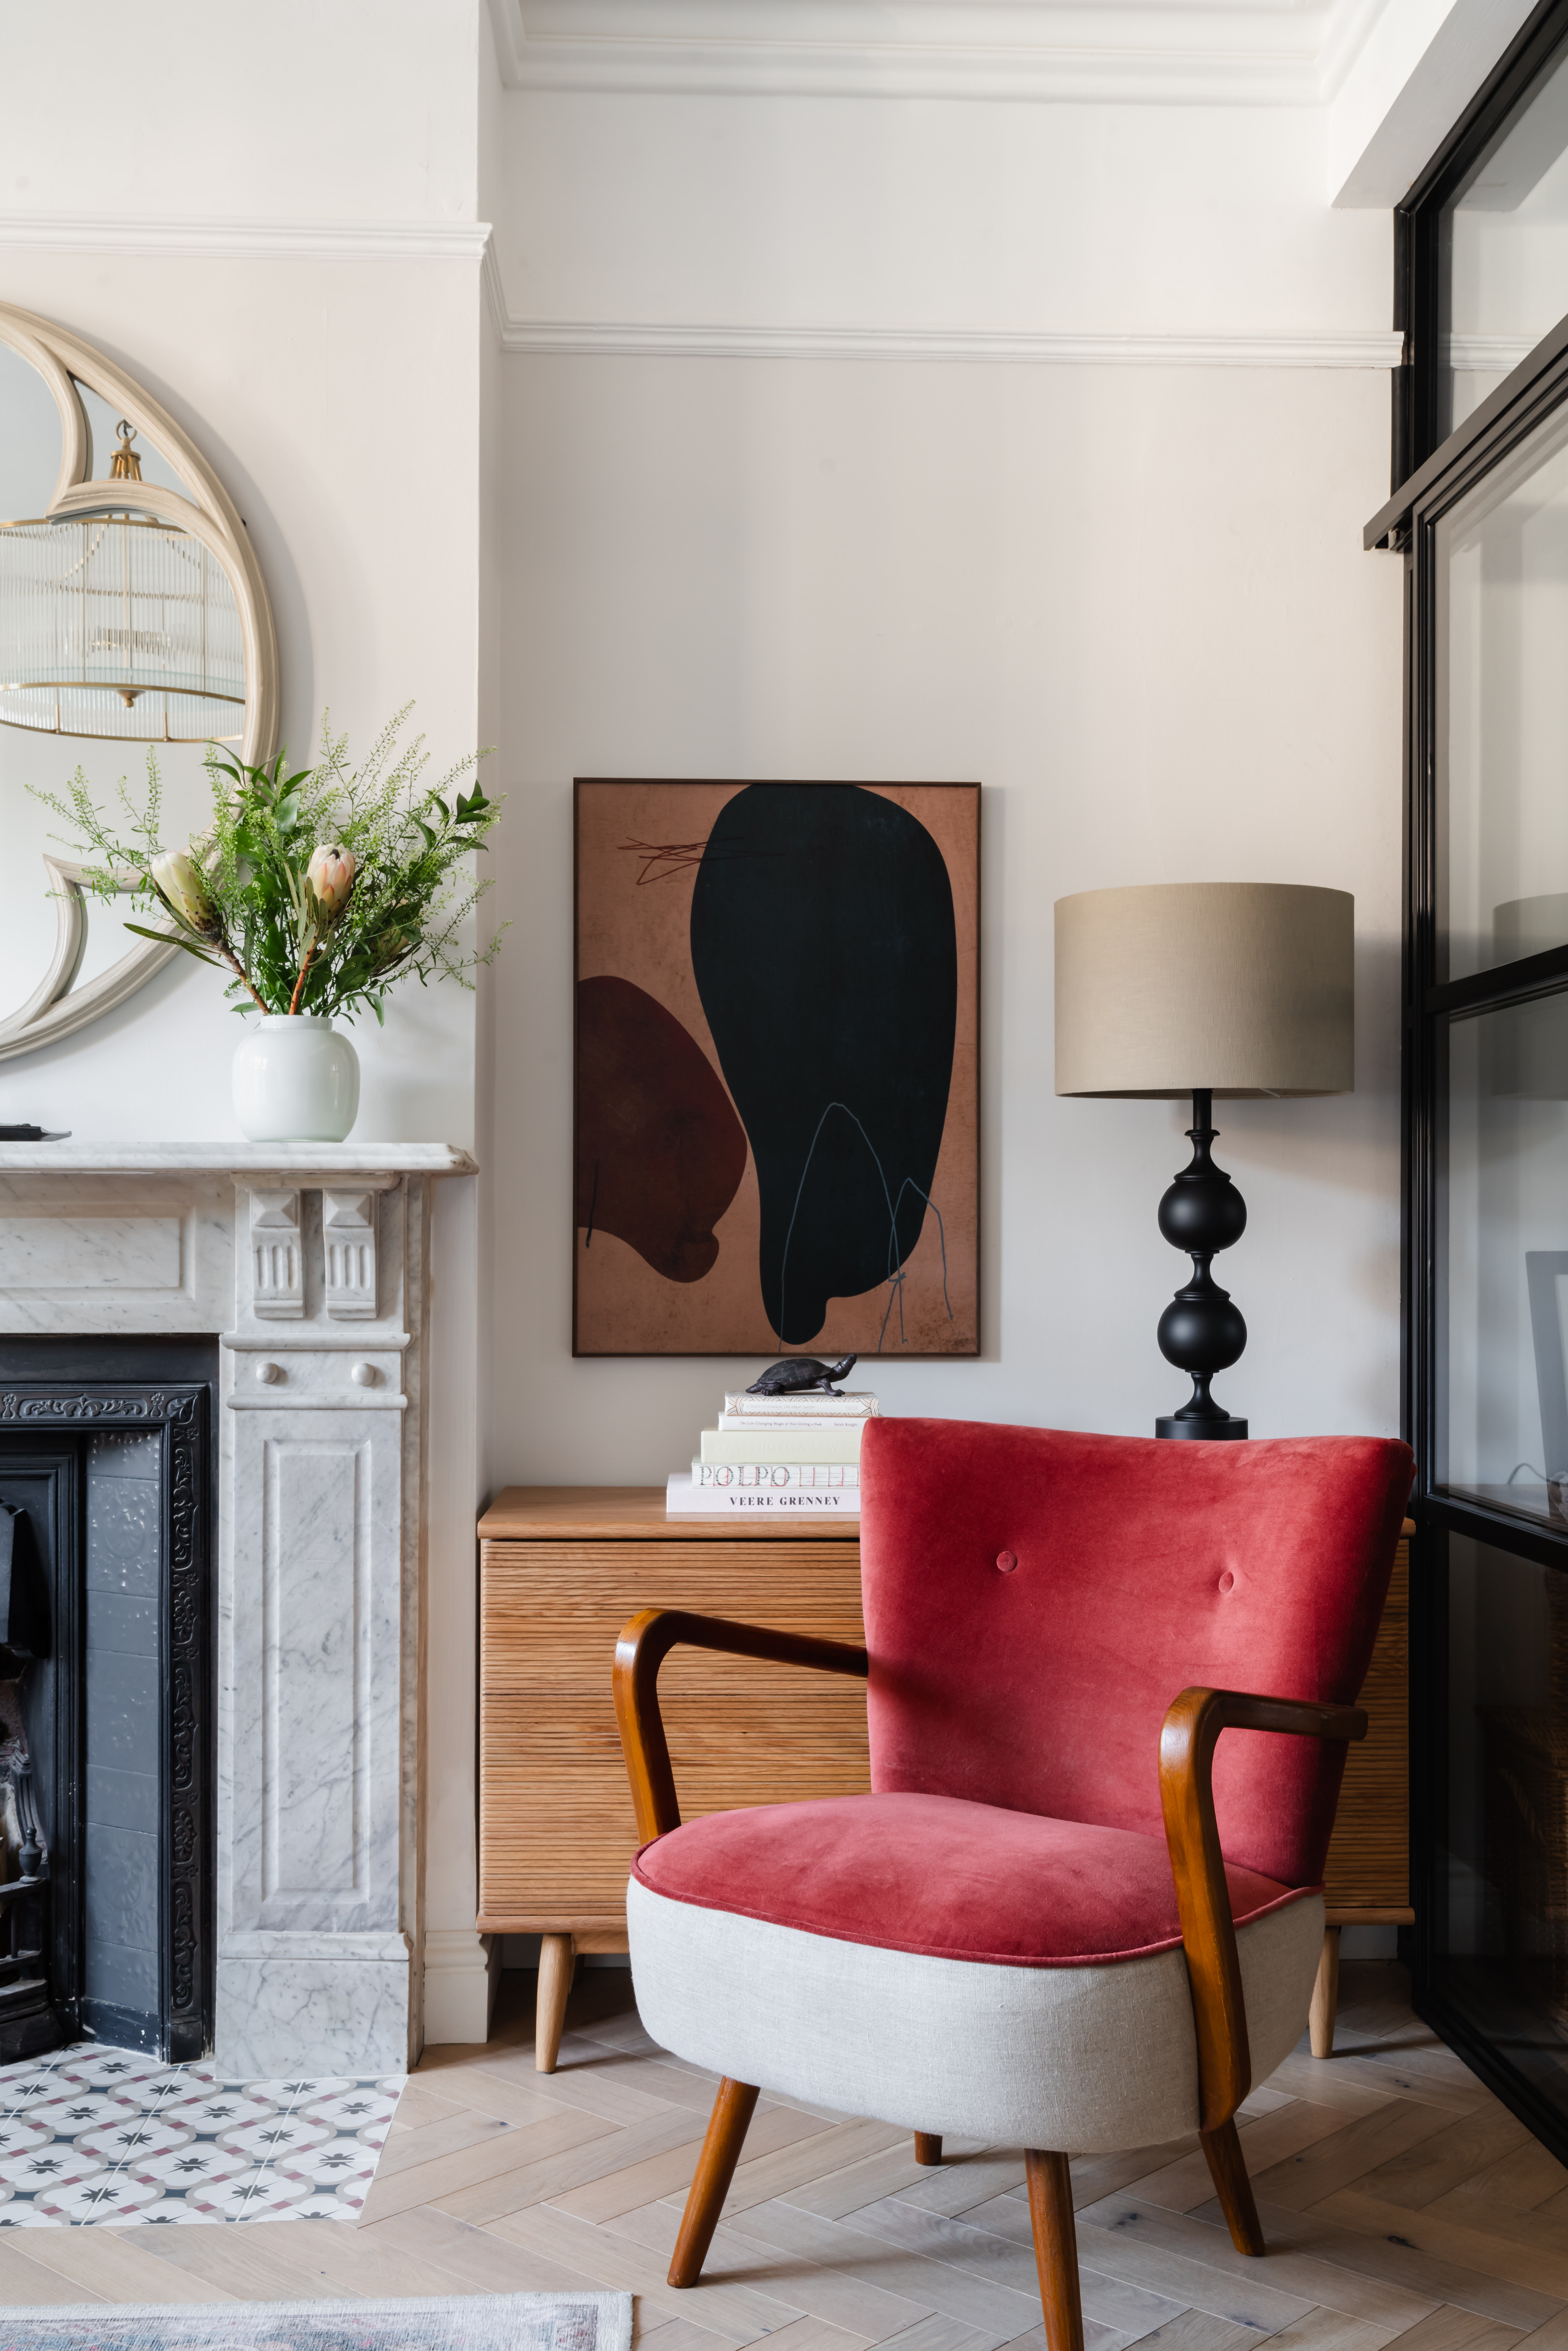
x=1201 y=1333
x=1173 y=1424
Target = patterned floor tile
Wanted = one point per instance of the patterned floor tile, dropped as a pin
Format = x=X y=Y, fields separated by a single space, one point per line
x=248 y=2194
x=114 y=2136
x=54 y=2166
x=95 y=2199
x=334 y=2165
x=129 y=2141
x=78 y=2110
x=317 y=2207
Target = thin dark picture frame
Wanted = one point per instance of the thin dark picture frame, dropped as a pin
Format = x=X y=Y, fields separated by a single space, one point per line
x=971 y=1354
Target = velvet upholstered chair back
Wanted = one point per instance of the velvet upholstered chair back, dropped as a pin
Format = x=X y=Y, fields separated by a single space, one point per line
x=1036 y=1599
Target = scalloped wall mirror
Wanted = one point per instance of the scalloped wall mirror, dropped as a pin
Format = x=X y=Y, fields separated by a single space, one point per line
x=133 y=618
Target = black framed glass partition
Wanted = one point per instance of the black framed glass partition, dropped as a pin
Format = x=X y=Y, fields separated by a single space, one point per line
x=1483 y=524
x=1481 y=268
x=1502 y=259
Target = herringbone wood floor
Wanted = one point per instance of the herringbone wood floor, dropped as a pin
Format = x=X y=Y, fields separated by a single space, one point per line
x=1402 y=2204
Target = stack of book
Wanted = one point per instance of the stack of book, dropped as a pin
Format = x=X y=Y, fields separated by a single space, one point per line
x=788 y=1453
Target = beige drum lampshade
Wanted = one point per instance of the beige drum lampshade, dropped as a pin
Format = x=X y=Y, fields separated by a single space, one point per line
x=1242 y=987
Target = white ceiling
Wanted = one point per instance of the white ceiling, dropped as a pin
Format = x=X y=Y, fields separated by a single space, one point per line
x=1227 y=52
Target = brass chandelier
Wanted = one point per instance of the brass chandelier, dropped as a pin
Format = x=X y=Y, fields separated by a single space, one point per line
x=117 y=625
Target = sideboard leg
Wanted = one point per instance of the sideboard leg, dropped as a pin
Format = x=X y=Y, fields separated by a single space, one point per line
x=1325 y=1995
x=557 y=1962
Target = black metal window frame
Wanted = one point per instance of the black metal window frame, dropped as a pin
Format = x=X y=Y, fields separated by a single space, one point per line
x=1417 y=241
x=1430 y=482
x=1432 y=1005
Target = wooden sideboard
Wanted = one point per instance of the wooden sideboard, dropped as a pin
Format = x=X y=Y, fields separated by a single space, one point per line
x=563 y=1567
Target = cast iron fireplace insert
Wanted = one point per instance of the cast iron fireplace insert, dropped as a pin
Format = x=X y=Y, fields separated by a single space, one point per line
x=108 y=1483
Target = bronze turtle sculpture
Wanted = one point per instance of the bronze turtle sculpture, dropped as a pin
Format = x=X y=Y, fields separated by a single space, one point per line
x=802 y=1376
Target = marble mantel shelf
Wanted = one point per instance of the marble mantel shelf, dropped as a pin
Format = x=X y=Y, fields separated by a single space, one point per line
x=70 y=1158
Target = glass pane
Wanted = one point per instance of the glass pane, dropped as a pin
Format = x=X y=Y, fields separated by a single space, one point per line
x=1504 y=251
x=1502 y=710
x=1502 y=1290
x=1502 y=1886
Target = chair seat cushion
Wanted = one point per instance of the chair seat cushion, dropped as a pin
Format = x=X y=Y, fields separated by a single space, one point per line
x=940 y=1877
x=1086 y=2059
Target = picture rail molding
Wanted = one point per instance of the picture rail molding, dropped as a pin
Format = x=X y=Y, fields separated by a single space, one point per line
x=1370 y=348
x=225 y=240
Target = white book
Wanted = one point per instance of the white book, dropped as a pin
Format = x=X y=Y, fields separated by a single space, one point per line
x=761 y=1476
x=772 y=1421
x=682 y=1498
x=788 y=1447
x=805 y=1402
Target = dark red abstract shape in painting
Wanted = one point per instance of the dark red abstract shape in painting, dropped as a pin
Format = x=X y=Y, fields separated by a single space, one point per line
x=660 y=1151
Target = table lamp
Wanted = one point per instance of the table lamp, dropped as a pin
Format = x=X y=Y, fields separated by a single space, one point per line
x=1204 y=989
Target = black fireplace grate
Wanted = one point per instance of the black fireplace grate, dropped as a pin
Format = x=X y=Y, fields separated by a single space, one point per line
x=106 y=1698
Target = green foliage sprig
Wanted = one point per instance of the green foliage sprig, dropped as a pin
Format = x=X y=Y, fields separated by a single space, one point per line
x=315 y=890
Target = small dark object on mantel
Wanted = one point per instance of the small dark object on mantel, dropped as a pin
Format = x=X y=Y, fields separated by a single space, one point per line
x=802 y=1375
x=33 y=1134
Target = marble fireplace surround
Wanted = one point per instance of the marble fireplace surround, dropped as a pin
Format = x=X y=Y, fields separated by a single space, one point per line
x=311 y=1264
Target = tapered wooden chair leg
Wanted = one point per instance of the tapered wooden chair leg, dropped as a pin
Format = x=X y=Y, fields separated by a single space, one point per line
x=715 y=2168
x=557 y=1961
x=927 y=2146
x=1227 y=2169
x=1325 y=1996
x=1055 y=2248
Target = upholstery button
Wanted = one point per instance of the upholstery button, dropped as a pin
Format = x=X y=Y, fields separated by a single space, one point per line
x=1007 y=1561
x=1227 y=1582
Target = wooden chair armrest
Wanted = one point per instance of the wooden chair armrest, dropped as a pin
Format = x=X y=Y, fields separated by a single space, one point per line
x=641 y=1649
x=1187 y=1740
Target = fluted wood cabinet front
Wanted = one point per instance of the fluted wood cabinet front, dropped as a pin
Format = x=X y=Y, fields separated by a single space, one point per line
x=560 y=1578
x=1367 y=1880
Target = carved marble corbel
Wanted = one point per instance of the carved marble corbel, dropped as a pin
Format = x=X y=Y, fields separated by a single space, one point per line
x=348 y=1237
x=276 y=1256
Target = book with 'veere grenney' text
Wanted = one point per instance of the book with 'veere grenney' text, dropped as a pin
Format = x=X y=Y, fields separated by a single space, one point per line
x=682 y=1497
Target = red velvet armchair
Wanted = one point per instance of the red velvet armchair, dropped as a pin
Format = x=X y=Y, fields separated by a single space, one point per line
x=1062 y=1920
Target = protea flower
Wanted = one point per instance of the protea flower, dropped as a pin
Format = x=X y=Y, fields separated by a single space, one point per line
x=330 y=873
x=182 y=889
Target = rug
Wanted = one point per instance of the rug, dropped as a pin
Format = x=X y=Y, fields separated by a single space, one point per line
x=109 y=2135
x=478 y=2322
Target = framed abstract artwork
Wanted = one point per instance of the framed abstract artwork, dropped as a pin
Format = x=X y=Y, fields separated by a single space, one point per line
x=777 y=1070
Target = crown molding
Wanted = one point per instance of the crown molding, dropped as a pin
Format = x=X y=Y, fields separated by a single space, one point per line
x=1169 y=52
x=758 y=69
x=243 y=239
x=1315 y=348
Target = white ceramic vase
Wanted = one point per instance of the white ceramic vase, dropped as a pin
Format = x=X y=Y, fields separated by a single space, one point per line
x=296 y=1081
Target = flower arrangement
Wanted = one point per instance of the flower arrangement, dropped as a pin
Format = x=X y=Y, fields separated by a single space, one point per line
x=315 y=891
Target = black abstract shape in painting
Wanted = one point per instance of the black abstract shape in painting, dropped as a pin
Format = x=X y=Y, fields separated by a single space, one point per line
x=826 y=959
x=660 y=1154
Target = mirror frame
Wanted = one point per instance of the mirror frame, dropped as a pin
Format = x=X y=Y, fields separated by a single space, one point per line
x=208 y=514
